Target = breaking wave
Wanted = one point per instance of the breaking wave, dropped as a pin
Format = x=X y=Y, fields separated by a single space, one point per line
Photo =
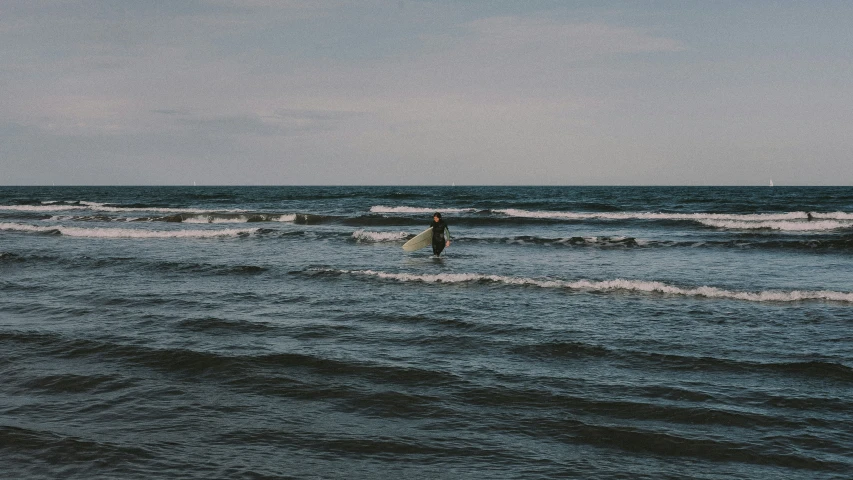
x=788 y=221
x=795 y=221
x=95 y=206
x=100 y=212
x=611 y=286
x=785 y=226
x=799 y=221
x=42 y=208
x=190 y=215
x=239 y=218
x=126 y=232
x=754 y=217
x=403 y=209
x=374 y=237
x=603 y=241
x=817 y=242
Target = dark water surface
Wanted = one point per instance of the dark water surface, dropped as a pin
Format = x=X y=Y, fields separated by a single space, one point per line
x=574 y=332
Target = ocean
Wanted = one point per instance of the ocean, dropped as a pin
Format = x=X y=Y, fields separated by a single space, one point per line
x=567 y=332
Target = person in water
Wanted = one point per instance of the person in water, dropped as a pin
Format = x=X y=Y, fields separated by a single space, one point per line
x=440 y=234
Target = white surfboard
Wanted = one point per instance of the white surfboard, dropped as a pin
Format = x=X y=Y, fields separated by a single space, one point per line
x=420 y=241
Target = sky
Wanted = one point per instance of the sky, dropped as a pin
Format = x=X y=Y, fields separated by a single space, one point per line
x=426 y=92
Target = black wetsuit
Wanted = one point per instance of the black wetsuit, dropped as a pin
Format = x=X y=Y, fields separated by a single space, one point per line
x=440 y=235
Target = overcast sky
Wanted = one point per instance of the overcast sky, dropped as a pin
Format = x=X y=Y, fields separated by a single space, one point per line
x=253 y=92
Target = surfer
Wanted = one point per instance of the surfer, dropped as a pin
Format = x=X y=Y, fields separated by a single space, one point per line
x=440 y=234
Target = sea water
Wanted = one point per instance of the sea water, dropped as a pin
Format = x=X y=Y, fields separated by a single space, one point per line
x=567 y=332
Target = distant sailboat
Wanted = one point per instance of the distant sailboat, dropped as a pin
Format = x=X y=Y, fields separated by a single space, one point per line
x=771 y=182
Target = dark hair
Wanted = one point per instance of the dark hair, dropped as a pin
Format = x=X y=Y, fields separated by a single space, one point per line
x=437 y=215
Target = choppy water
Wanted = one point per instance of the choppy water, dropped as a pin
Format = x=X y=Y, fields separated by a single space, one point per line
x=236 y=332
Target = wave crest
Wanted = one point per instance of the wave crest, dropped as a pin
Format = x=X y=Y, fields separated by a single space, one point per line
x=786 y=226
x=404 y=209
x=619 y=284
x=375 y=237
x=698 y=216
x=787 y=221
x=126 y=232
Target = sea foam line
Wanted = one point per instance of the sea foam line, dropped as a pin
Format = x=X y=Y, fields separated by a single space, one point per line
x=785 y=226
x=106 y=208
x=698 y=216
x=366 y=236
x=798 y=221
x=245 y=218
x=42 y=208
x=613 y=285
x=95 y=206
x=789 y=221
x=404 y=209
x=126 y=232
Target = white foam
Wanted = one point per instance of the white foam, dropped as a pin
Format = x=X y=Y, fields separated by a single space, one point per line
x=786 y=226
x=193 y=215
x=403 y=209
x=615 y=285
x=833 y=215
x=365 y=236
x=42 y=208
x=788 y=221
x=95 y=206
x=213 y=218
x=105 y=208
x=787 y=216
x=125 y=232
x=236 y=219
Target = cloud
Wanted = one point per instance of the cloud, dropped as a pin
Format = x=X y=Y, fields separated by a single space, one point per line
x=402 y=91
x=526 y=58
x=564 y=40
x=212 y=82
x=284 y=122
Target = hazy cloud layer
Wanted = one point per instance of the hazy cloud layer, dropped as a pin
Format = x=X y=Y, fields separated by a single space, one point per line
x=424 y=92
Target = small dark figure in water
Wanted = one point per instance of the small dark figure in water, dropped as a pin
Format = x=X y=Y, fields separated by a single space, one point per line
x=810 y=216
x=440 y=234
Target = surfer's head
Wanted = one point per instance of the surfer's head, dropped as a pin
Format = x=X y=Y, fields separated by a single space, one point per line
x=436 y=216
